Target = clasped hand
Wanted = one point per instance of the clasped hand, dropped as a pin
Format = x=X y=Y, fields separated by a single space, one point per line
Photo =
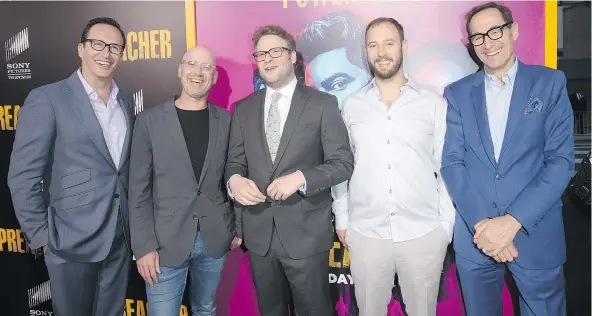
x=247 y=193
x=495 y=237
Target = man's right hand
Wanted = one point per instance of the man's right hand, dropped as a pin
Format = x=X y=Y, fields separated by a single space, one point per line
x=245 y=191
x=341 y=234
x=149 y=266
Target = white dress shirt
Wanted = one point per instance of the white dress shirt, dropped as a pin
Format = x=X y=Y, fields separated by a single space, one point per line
x=498 y=99
x=396 y=191
x=110 y=116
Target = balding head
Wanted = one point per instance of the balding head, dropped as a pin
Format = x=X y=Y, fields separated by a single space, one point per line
x=200 y=53
x=197 y=72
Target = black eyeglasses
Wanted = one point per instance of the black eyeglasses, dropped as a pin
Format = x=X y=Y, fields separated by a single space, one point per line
x=494 y=33
x=99 y=45
x=274 y=53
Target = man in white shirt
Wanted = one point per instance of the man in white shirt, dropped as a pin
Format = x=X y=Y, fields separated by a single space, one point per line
x=396 y=217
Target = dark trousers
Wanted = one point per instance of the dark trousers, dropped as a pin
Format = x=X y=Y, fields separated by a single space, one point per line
x=307 y=280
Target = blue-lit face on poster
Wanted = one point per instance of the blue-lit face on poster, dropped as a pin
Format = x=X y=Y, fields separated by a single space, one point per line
x=332 y=72
x=333 y=48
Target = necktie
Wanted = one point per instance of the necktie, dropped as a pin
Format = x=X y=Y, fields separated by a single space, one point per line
x=272 y=127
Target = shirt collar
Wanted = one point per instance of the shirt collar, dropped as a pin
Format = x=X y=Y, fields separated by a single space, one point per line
x=409 y=84
x=90 y=91
x=286 y=91
x=508 y=78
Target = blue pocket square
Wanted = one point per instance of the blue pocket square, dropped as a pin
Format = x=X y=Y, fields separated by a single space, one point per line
x=534 y=105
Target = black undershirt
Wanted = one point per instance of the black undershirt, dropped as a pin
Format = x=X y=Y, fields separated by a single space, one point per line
x=196 y=126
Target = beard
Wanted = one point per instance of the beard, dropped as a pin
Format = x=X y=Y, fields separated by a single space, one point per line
x=388 y=73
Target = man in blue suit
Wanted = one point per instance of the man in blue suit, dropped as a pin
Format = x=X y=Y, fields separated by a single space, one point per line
x=508 y=157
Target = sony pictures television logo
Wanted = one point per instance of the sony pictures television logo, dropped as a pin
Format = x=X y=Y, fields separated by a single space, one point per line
x=13 y=47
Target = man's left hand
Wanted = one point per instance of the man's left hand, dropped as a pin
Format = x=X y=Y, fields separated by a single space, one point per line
x=493 y=235
x=283 y=187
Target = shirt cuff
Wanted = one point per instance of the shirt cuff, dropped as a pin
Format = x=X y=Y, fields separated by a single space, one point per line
x=341 y=221
x=303 y=188
x=449 y=228
x=228 y=186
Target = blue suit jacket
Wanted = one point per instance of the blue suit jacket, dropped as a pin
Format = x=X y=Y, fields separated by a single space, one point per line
x=535 y=164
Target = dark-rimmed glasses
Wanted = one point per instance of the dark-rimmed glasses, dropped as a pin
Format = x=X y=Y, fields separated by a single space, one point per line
x=274 y=53
x=99 y=45
x=493 y=33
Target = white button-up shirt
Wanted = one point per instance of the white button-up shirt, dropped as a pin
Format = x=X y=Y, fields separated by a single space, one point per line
x=396 y=191
x=498 y=99
x=110 y=116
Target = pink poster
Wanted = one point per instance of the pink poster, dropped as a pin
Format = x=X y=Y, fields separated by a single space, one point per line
x=330 y=38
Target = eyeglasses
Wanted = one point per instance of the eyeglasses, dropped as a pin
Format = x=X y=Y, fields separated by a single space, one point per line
x=99 y=45
x=274 y=53
x=204 y=67
x=494 y=33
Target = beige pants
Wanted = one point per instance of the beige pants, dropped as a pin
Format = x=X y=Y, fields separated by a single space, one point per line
x=417 y=262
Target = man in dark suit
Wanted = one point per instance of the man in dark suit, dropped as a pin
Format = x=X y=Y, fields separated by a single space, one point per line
x=180 y=216
x=68 y=177
x=288 y=145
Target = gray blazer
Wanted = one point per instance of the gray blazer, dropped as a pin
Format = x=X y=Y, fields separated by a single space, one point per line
x=314 y=141
x=59 y=141
x=166 y=200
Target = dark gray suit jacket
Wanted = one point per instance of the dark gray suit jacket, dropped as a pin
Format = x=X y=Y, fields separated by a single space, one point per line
x=60 y=141
x=166 y=200
x=314 y=141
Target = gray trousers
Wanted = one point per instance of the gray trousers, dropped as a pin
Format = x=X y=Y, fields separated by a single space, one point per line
x=90 y=288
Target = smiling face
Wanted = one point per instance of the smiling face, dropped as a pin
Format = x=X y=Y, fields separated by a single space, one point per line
x=495 y=54
x=100 y=64
x=197 y=72
x=276 y=71
x=385 y=50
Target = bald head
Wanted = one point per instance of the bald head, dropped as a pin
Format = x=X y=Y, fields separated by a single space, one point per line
x=197 y=72
x=200 y=54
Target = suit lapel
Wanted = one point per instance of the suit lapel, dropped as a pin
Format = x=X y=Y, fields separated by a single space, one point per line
x=125 y=109
x=178 y=140
x=81 y=105
x=296 y=107
x=480 y=106
x=214 y=123
x=522 y=84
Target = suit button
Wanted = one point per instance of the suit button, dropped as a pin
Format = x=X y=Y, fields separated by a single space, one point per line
x=118 y=173
x=198 y=192
x=494 y=205
x=497 y=177
x=195 y=217
x=116 y=195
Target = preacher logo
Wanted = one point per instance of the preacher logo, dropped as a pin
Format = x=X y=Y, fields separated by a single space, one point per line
x=138 y=101
x=143 y=45
x=8 y=117
x=39 y=294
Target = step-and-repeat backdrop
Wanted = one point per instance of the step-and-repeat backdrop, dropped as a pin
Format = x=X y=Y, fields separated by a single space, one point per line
x=40 y=41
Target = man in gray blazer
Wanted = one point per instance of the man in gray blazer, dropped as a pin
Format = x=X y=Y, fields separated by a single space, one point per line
x=68 y=177
x=288 y=146
x=180 y=216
